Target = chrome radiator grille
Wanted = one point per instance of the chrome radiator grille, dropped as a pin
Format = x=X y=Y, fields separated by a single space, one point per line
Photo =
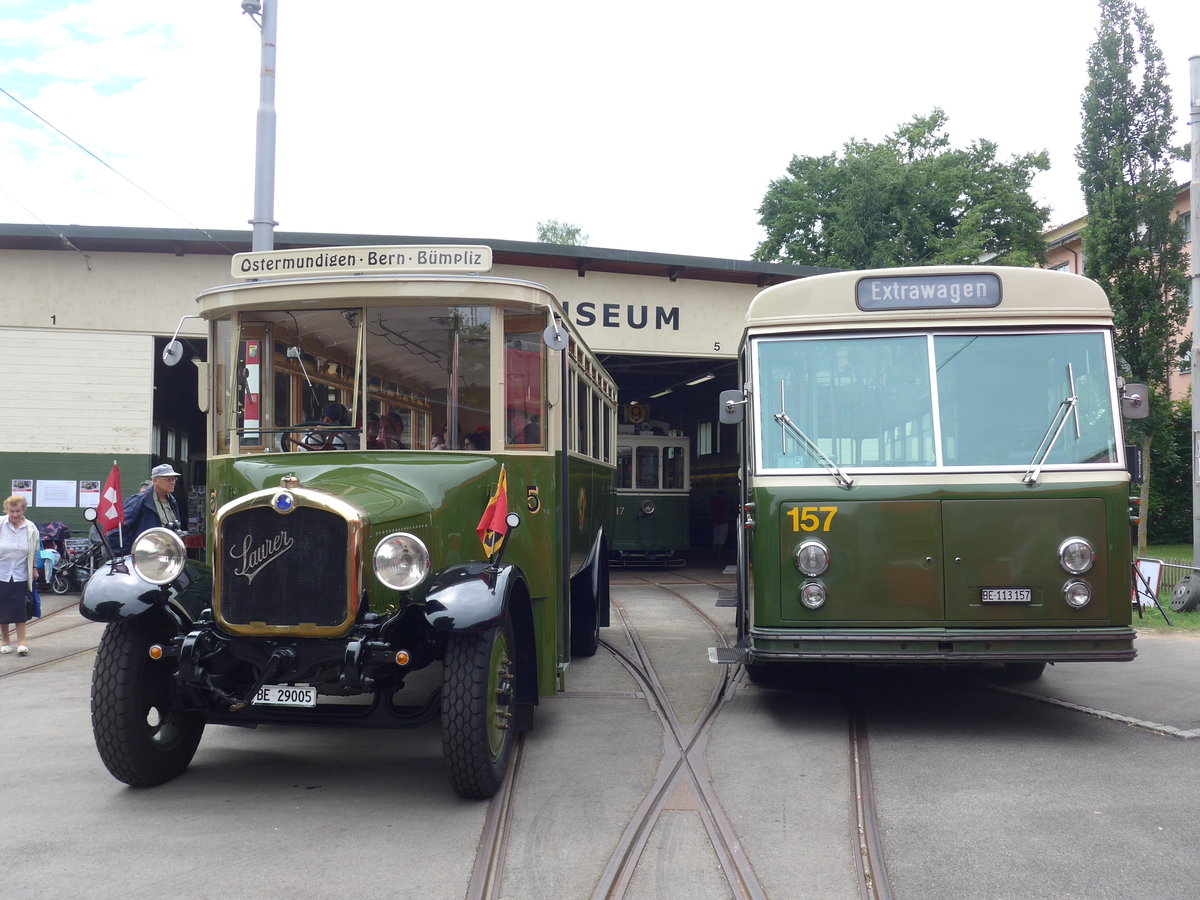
x=283 y=570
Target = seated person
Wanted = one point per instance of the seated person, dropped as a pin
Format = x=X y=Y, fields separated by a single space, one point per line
x=391 y=432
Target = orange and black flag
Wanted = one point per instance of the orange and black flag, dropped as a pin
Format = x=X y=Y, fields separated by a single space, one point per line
x=493 y=526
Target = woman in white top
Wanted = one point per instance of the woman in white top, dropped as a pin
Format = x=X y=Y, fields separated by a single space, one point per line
x=19 y=542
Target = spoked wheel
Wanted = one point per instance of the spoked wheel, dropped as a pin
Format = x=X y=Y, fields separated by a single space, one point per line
x=142 y=738
x=478 y=689
x=1024 y=671
x=60 y=584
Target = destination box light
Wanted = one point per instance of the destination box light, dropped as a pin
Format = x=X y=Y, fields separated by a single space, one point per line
x=941 y=291
x=432 y=259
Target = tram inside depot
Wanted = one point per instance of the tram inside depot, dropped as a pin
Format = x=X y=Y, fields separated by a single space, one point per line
x=380 y=377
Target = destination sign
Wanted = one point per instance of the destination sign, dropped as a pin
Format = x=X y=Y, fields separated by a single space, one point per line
x=435 y=258
x=928 y=291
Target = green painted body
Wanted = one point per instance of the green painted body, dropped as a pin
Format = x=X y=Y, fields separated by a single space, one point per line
x=903 y=558
x=663 y=531
x=439 y=497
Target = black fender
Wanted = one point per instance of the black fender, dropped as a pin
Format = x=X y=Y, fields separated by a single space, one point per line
x=589 y=586
x=470 y=596
x=473 y=596
x=116 y=592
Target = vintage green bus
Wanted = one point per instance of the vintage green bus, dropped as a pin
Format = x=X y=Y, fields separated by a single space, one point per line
x=933 y=470
x=366 y=406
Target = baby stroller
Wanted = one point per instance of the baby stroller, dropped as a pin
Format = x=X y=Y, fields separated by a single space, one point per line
x=54 y=549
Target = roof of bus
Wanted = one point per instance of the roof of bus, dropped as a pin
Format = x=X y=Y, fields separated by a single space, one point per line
x=1030 y=296
x=378 y=290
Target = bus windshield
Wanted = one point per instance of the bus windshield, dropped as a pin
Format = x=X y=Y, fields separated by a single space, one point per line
x=933 y=400
x=397 y=377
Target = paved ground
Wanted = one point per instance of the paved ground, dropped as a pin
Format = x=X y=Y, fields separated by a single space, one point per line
x=983 y=791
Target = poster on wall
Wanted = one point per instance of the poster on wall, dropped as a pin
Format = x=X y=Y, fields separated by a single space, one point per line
x=89 y=493
x=54 y=493
x=23 y=488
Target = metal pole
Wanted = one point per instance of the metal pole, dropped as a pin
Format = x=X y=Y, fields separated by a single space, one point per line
x=1194 y=71
x=264 y=157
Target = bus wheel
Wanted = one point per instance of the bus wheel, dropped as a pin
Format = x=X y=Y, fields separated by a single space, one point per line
x=762 y=674
x=143 y=741
x=478 y=689
x=1024 y=671
x=585 y=613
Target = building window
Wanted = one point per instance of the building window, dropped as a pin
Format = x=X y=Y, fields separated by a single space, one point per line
x=704 y=439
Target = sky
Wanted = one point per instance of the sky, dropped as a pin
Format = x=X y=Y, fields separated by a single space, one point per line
x=654 y=126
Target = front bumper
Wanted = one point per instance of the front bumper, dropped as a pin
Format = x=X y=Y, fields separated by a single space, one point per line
x=941 y=645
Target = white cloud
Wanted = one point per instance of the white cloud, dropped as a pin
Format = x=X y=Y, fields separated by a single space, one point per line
x=652 y=126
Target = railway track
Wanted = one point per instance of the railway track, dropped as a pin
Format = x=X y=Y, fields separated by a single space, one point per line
x=58 y=622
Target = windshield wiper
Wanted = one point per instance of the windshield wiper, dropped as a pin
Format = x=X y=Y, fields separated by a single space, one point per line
x=1068 y=407
x=785 y=422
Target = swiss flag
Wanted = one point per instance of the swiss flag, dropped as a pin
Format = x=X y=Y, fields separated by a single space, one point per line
x=110 y=512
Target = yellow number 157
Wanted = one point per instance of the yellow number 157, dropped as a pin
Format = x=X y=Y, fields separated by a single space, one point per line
x=808 y=518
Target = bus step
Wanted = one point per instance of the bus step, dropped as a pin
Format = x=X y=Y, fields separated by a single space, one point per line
x=730 y=570
x=727 y=656
x=726 y=598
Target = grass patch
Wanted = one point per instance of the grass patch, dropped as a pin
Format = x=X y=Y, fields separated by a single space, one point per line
x=1152 y=622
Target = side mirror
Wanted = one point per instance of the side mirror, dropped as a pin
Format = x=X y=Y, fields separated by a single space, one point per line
x=731 y=407
x=1135 y=401
x=89 y=513
x=172 y=353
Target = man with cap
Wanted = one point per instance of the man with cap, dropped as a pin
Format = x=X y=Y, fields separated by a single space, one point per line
x=151 y=508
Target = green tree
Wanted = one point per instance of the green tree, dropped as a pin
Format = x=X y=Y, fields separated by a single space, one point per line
x=1132 y=243
x=910 y=200
x=553 y=231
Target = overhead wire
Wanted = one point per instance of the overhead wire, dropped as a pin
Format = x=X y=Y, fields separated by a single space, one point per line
x=112 y=169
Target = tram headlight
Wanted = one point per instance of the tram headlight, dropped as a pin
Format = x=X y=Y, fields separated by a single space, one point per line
x=1077 y=594
x=1076 y=555
x=812 y=558
x=401 y=561
x=648 y=507
x=812 y=594
x=158 y=555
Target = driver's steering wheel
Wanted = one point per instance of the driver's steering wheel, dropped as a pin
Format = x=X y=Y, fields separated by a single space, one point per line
x=310 y=439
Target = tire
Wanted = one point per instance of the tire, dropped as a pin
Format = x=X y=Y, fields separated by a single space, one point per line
x=1186 y=595
x=478 y=691
x=585 y=612
x=762 y=674
x=142 y=740
x=1024 y=671
x=60 y=584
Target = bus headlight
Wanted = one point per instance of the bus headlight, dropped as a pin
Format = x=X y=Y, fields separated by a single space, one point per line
x=812 y=594
x=648 y=507
x=812 y=558
x=401 y=561
x=1076 y=555
x=1077 y=594
x=158 y=555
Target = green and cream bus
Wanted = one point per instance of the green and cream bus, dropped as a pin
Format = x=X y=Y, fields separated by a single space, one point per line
x=410 y=463
x=933 y=470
